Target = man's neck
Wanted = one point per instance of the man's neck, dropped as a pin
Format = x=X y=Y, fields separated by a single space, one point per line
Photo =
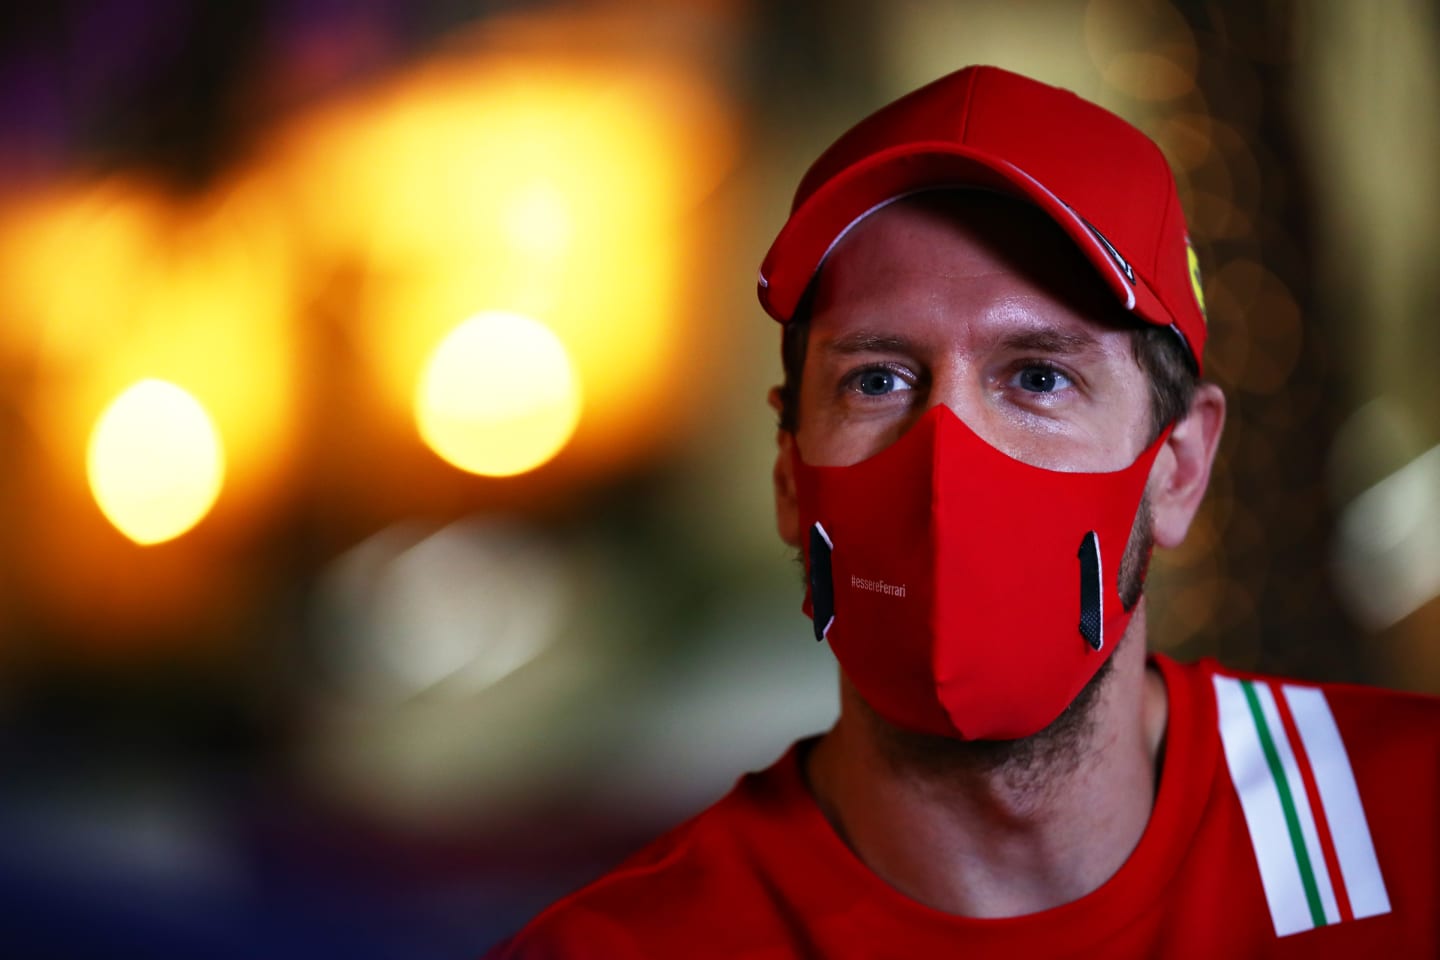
x=982 y=830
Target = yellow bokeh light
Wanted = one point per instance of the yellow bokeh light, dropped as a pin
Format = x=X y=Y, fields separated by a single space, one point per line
x=555 y=188
x=537 y=219
x=155 y=462
x=499 y=395
x=110 y=281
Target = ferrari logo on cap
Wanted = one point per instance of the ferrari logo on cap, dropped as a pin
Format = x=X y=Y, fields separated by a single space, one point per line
x=1195 y=283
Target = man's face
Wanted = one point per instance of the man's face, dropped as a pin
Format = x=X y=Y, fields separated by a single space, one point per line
x=980 y=304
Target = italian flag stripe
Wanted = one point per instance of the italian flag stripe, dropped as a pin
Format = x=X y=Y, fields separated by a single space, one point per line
x=1292 y=801
x=1295 y=786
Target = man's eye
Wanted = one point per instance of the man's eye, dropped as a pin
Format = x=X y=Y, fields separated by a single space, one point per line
x=879 y=381
x=1041 y=379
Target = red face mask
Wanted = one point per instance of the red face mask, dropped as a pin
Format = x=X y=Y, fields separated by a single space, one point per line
x=965 y=593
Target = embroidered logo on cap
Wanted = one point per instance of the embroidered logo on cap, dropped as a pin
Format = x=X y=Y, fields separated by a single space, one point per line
x=1195 y=283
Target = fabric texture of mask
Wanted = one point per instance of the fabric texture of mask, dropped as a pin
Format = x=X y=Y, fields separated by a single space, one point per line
x=965 y=593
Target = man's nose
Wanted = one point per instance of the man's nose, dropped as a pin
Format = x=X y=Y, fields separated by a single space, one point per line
x=966 y=398
x=955 y=386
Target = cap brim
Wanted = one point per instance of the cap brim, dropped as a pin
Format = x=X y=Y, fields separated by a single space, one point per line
x=819 y=224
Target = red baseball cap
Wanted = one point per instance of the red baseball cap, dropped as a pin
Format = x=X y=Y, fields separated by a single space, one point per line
x=1104 y=182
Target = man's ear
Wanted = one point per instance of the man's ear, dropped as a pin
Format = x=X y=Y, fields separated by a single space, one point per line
x=1182 y=470
x=787 y=508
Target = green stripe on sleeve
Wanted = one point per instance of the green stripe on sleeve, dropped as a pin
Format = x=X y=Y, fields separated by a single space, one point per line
x=1287 y=803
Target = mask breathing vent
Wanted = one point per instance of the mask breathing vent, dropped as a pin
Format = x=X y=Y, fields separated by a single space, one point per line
x=1091 y=616
x=822 y=587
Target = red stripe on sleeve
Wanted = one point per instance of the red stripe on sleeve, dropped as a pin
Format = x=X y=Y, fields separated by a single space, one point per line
x=1322 y=825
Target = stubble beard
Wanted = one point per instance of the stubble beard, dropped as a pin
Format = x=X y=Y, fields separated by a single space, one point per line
x=1029 y=768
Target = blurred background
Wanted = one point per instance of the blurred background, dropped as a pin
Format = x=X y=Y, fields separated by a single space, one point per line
x=388 y=538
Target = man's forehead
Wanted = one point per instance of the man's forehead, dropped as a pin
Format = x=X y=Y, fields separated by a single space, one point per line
x=959 y=233
x=991 y=258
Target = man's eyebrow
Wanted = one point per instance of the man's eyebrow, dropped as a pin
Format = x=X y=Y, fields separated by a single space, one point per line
x=1050 y=341
x=863 y=341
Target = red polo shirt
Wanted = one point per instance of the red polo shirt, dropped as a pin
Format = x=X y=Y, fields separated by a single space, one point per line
x=1291 y=820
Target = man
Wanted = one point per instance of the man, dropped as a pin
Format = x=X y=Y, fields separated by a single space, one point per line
x=992 y=412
